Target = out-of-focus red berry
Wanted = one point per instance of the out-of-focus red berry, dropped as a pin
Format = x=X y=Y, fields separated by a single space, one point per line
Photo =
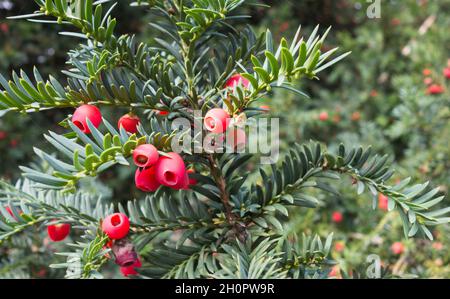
x=383 y=202
x=397 y=248
x=337 y=217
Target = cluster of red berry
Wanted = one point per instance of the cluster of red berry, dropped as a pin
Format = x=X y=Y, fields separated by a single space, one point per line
x=117 y=227
x=434 y=88
x=155 y=170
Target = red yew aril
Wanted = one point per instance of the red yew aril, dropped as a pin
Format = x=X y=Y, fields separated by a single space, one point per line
x=58 y=232
x=447 y=72
x=435 y=89
x=337 y=217
x=265 y=108
x=428 y=81
x=383 y=202
x=397 y=248
x=216 y=120
x=10 y=212
x=170 y=170
x=85 y=112
x=437 y=245
x=131 y=270
x=339 y=246
x=145 y=155
x=116 y=226
x=129 y=122
x=426 y=72
x=234 y=81
x=356 y=116
x=145 y=180
x=191 y=180
x=323 y=116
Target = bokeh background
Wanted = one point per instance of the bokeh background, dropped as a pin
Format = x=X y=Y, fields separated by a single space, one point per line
x=381 y=95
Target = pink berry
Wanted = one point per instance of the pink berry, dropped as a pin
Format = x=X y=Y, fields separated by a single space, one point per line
x=145 y=180
x=131 y=270
x=383 y=202
x=323 y=116
x=170 y=170
x=397 y=248
x=87 y=112
x=145 y=155
x=216 y=120
x=447 y=72
x=129 y=122
x=58 y=232
x=428 y=81
x=191 y=180
x=337 y=217
x=116 y=226
x=234 y=81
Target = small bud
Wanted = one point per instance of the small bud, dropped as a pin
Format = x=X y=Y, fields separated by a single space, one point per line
x=124 y=252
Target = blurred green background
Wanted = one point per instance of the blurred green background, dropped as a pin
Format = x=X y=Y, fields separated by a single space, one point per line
x=377 y=96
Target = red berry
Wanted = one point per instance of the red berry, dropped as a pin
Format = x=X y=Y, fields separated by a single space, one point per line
x=397 y=248
x=216 y=120
x=339 y=246
x=337 y=217
x=145 y=155
x=383 y=202
x=191 y=180
x=13 y=143
x=3 y=135
x=87 y=112
x=428 y=81
x=58 y=232
x=447 y=72
x=356 y=116
x=129 y=122
x=323 y=116
x=130 y=270
x=435 y=89
x=8 y=209
x=437 y=245
x=334 y=271
x=161 y=112
x=234 y=81
x=116 y=226
x=426 y=72
x=170 y=171
x=265 y=108
x=145 y=180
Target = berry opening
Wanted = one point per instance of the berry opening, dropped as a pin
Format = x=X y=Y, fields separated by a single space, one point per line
x=128 y=264
x=170 y=178
x=141 y=159
x=115 y=220
x=79 y=125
